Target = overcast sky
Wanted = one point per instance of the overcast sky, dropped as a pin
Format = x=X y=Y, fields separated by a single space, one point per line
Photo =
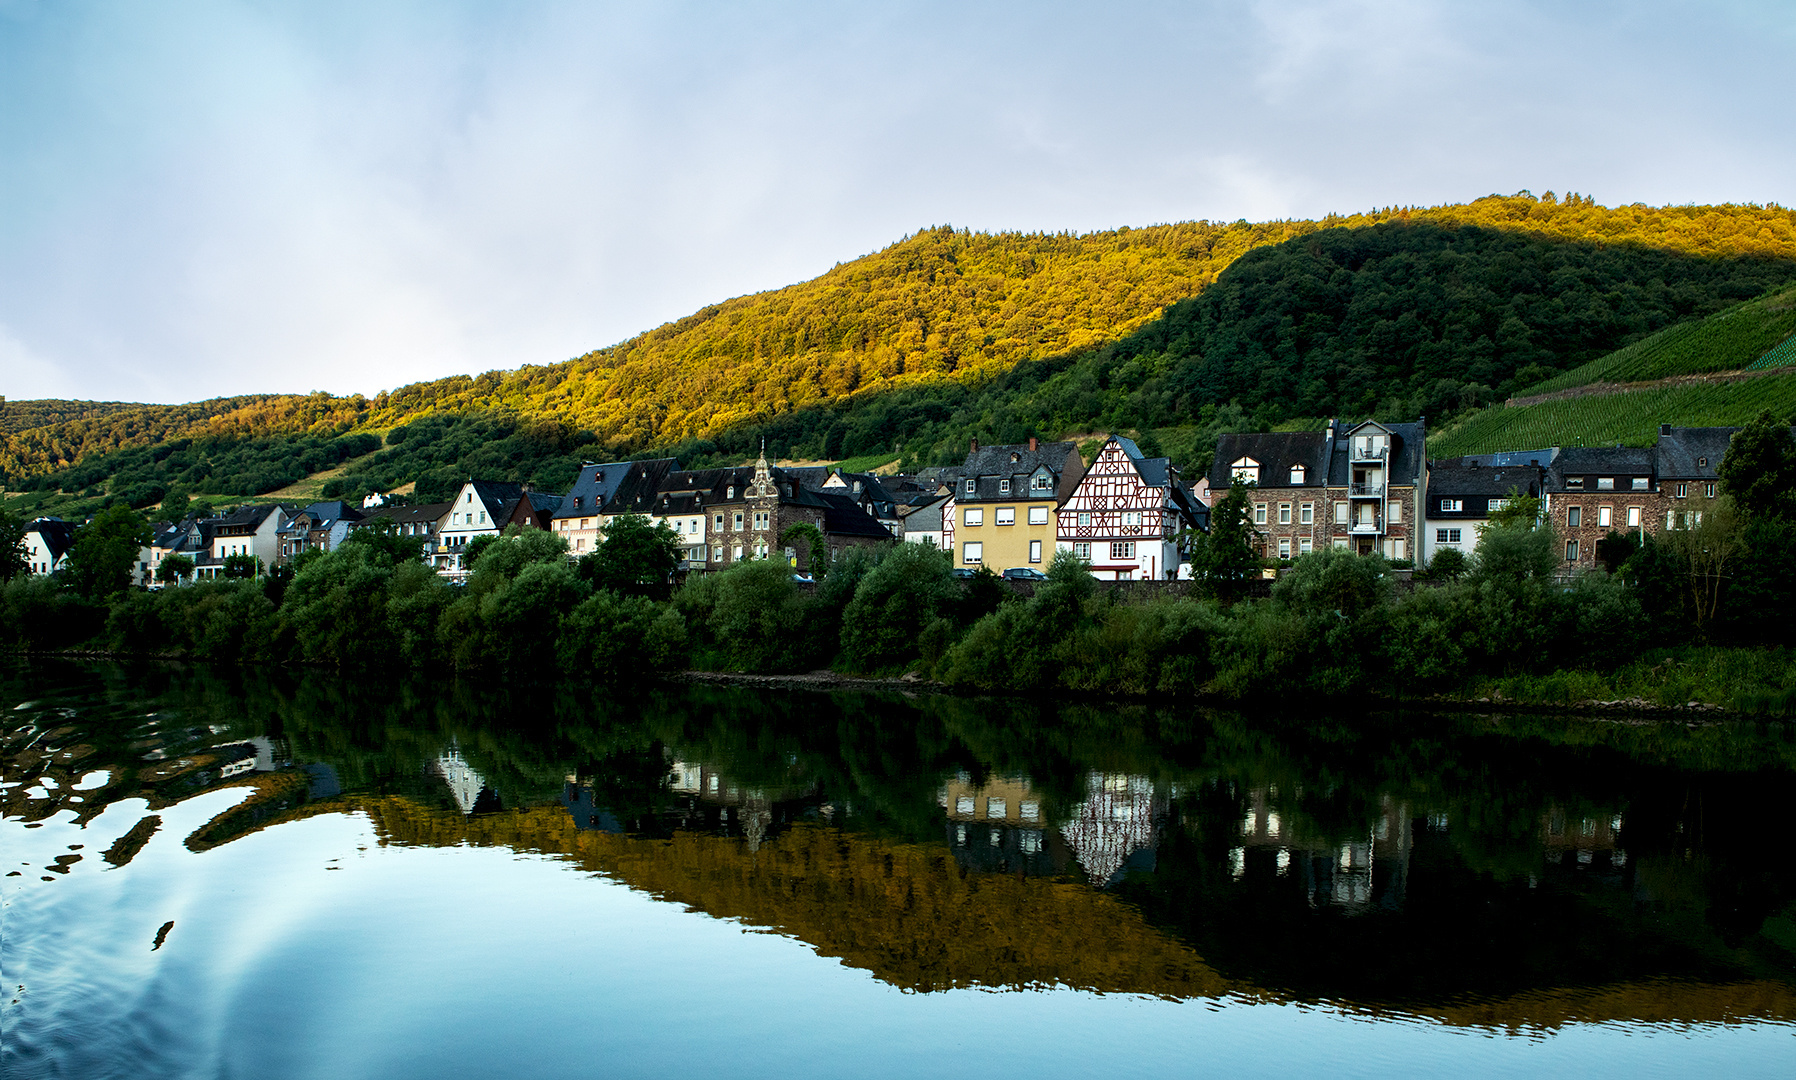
x=224 y=197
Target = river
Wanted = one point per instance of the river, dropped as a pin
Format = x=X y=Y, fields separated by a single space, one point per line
x=262 y=874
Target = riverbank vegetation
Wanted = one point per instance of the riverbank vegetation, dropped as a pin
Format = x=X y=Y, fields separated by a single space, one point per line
x=1695 y=615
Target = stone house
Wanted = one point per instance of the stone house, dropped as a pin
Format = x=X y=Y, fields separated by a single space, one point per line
x=1463 y=492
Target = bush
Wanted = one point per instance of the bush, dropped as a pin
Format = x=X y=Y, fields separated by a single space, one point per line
x=614 y=638
x=893 y=604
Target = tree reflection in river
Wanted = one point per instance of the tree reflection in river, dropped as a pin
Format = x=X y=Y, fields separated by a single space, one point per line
x=1483 y=869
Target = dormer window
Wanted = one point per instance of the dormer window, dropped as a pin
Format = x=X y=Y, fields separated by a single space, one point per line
x=1015 y=457
x=1041 y=482
x=729 y=492
x=1574 y=481
x=1702 y=462
x=1297 y=476
x=1245 y=471
x=969 y=486
x=576 y=502
x=1003 y=487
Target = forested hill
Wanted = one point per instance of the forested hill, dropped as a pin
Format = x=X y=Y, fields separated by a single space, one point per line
x=949 y=332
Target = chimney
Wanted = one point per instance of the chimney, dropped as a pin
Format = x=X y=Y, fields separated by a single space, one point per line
x=975 y=444
x=1034 y=444
x=1664 y=430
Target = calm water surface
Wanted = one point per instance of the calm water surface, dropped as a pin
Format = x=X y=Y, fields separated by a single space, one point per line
x=229 y=874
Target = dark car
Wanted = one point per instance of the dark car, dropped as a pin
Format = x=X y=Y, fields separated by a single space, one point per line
x=1023 y=573
x=963 y=573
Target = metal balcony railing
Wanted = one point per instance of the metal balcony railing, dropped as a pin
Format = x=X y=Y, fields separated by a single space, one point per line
x=1367 y=528
x=1360 y=451
x=1360 y=491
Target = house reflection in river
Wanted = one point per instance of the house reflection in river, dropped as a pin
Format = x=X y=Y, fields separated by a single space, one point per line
x=1587 y=840
x=1357 y=873
x=704 y=800
x=467 y=786
x=1000 y=826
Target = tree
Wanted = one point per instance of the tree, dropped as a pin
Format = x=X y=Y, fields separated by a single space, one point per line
x=174 y=568
x=814 y=539
x=1704 y=549
x=1448 y=564
x=636 y=558
x=242 y=566
x=175 y=505
x=385 y=537
x=13 y=561
x=1759 y=469
x=1224 y=559
x=894 y=603
x=105 y=552
x=1517 y=544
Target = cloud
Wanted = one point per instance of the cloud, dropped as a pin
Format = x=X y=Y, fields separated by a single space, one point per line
x=225 y=196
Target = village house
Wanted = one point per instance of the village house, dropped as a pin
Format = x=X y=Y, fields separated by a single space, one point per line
x=928 y=522
x=248 y=530
x=480 y=508
x=1688 y=462
x=1125 y=515
x=190 y=538
x=321 y=526
x=747 y=510
x=422 y=522
x=602 y=492
x=1463 y=492
x=1004 y=503
x=1593 y=491
x=1357 y=487
x=47 y=543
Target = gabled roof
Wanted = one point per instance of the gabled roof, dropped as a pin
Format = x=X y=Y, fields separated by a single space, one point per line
x=988 y=466
x=57 y=535
x=1405 y=465
x=1691 y=453
x=1598 y=460
x=927 y=517
x=842 y=516
x=616 y=487
x=406 y=515
x=1468 y=478
x=1276 y=452
x=497 y=497
x=245 y=519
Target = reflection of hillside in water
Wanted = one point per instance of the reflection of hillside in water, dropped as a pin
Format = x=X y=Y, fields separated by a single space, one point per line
x=1495 y=884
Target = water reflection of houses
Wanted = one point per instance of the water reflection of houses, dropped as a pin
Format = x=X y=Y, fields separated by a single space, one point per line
x=466 y=785
x=1587 y=841
x=999 y=825
x=706 y=800
x=1357 y=873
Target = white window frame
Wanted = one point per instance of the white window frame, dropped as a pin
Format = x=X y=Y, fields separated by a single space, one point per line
x=1006 y=515
x=972 y=553
x=1259 y=513
x=972 y=516
x=1284 y=513
x=1122 y=549
x=1038 y=515
x=1082 y=550
x=1035 y=551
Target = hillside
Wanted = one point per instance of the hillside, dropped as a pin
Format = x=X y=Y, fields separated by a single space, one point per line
x=947 y=333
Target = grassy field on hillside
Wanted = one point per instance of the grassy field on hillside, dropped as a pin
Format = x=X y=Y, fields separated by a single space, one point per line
x=1631 y=418
x=1726 y=341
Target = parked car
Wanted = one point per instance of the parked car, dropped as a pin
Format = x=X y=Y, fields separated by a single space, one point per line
x=1023 y=573
x=963 y=573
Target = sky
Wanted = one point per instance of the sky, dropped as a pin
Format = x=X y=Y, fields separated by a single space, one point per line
x=202 y=198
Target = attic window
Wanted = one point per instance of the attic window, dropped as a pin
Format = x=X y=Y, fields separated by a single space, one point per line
x=1574 y=481
x=1015 y=457
x=1702 y=462
x=729 y=492
x=1003 y=487
x=1297 y=475
x=576 y=502
x=969 y=486
x=1040 y=483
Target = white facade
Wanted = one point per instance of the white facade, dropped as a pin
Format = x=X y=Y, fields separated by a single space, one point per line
x=469 y=516
x=1439 y=534
x=38 y=556
x=1125 y=527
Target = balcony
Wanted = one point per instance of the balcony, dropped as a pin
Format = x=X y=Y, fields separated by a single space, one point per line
x=1372 y=490
x=1364 y=450
x=1375 y=527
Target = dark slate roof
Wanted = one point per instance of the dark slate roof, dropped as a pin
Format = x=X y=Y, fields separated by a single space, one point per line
x=842 y=516
x=987 y=465
x=58 y=535
x=812 y=476
x=1277 y=452
x=541 y=501
x=1407 y=460
x=334 y=510
x=246 y=519
x=1477 y=484
x=1618 y=461
x=498 y=497
x=928 y=516
x=616 y=487
x=406 y=515
x=1682 y=450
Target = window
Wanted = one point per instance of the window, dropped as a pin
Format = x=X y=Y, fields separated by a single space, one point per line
x=483 y=515
x=1284 y=547
x=1683 y=491
x=1604 y=516
x=1004 y=487
x=1259 y=513
x=1082 y=550
x=1035 y=551
x=969 y=485
x=1708 y=491
x=729 y=492
x=736 y=553
x=1131 y=519
x=1446 y=536
x=717 y=522
x=1605 y=483
x=1038 y=515
x=761 y=549
x=736 y=525
x=1574 y=481
x=1006 y=515
x=1396 y=549
x=763 y=519
x=1084 y=519
x=1702 y=462
x=1284 y=513
x=1306 y=514
x=1297 y=476
x=1574 y=517
x=1571 y=551
x=972 y=553
x=1341 y=517
x=1245 y=471
x=1640 y=483
x=1341 y=542
x=1633 y=517
x=1452 y=506
x=1305 y=546
x=717 y=554
x=1124 y=549
x=585 y=523
x=1040 y=483
x=1494 y=505
x=972 y=516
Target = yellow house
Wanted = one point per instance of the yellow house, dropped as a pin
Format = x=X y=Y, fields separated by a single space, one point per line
x=1004 y=503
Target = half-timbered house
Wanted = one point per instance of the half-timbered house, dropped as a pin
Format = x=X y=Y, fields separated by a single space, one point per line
x=1126 y=514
